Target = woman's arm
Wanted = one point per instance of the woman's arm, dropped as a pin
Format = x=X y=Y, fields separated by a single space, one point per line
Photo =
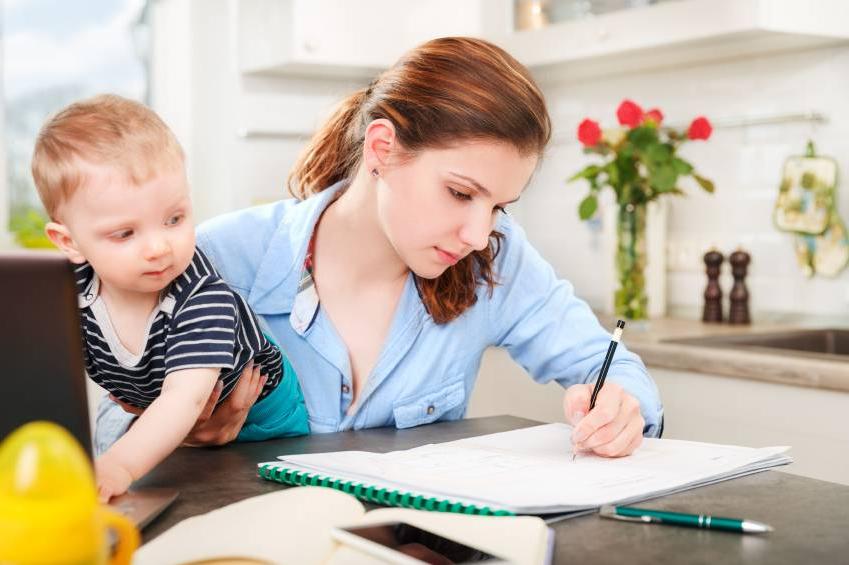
x=555 y=336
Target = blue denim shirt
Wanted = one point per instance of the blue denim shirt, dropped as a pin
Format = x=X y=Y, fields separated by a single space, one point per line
x=425 y=371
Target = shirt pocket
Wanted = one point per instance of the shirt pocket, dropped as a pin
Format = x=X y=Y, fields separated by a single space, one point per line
x=429 y=407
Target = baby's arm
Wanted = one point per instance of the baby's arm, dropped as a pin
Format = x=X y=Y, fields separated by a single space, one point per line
x=158 y=431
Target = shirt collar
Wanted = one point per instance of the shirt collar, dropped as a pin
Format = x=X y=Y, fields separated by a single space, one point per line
x=198 y=271
x=279 y=273
x=88 y=285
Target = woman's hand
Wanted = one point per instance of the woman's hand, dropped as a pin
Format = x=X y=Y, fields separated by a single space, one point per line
x=220 y=425
x=614 y=427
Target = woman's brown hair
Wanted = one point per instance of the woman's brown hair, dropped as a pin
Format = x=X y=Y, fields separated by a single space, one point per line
x=444 y=91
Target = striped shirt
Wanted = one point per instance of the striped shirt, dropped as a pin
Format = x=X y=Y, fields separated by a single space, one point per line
x=199 y=322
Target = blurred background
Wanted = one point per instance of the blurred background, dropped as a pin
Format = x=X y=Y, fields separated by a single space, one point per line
x=244 y=83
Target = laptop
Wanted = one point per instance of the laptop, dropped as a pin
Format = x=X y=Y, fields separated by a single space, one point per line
x=41 y=355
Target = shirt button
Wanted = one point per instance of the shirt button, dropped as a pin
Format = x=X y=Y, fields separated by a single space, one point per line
x=346 y=389
x=430 y=409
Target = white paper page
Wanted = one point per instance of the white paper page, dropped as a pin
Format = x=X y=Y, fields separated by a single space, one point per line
x=286 y=526
x=531 y=470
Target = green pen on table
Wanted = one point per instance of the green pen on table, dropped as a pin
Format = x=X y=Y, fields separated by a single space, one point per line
x=647 y=516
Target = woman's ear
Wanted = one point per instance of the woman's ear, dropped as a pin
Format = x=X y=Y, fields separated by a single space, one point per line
x=61 y=238
x=379 y=144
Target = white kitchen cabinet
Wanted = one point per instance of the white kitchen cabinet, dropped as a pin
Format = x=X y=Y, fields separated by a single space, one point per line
x=677 y=33
x=339 y=38
x=342 y=38
x=717 y=409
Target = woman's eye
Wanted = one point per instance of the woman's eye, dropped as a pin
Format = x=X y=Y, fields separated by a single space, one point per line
x=174 y=220
x=459 y=195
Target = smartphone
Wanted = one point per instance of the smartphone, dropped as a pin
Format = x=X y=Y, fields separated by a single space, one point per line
x=404 y=544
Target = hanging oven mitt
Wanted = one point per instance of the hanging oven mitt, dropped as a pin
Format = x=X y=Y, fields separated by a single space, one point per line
x=806 y=206
x=806 y=196
x=826 y=254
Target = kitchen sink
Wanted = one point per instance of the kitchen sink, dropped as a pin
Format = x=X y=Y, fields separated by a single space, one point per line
x=830 y=344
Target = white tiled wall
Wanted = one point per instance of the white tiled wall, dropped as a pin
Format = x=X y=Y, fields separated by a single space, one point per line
x=744 y=162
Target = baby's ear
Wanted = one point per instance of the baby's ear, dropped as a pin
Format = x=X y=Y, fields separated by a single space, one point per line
x=61 y=238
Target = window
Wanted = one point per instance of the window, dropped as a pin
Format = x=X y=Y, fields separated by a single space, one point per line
x=54 y=52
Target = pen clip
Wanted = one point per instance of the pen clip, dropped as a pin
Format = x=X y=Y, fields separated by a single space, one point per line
x=609 y=511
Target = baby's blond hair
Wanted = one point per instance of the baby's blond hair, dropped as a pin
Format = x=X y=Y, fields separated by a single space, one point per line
x=104 y=130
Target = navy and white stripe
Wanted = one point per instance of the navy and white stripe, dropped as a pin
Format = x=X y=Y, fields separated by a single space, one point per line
x=201 y=322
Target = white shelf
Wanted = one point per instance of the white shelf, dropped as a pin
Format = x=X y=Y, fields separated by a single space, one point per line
x=677 y=33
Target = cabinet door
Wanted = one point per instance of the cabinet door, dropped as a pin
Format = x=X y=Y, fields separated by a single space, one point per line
x=347 y=38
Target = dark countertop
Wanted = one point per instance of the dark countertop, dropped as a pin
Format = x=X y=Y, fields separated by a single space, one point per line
x=809 y=516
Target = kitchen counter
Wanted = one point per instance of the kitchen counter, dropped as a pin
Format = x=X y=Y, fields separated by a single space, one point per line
x=650 y=341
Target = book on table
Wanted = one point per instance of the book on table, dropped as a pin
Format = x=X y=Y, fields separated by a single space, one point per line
x=293 y=526
x=524 y=471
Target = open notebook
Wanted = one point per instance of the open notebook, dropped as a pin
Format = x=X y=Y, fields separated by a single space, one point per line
x=525 y=471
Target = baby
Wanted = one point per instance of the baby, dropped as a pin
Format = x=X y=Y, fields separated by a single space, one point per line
x=160 y=326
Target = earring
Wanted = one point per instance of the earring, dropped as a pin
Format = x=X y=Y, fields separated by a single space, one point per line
x=374 y=173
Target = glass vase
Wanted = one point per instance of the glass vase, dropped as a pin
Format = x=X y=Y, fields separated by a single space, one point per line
x=630 y=299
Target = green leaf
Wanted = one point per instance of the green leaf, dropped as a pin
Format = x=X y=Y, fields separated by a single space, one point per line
x=643 y=136
x=663 y=178
x=704 y=183
x=585 y=173
x=588 y=207
x=681 y=166
x=658 y=153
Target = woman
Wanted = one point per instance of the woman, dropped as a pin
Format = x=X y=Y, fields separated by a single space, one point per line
x=398 y=265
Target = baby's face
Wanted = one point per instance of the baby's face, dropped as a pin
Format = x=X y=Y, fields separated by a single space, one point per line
x=138 y=238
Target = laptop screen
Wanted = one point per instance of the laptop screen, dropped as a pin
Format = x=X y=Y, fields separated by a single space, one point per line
x=41 y=348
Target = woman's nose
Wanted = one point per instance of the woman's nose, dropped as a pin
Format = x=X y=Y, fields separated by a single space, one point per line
x=475 y=232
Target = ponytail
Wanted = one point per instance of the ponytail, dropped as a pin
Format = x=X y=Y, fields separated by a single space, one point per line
x=333 y=152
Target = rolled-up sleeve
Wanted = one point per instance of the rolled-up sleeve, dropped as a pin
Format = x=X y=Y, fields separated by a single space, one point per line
x=552 y=333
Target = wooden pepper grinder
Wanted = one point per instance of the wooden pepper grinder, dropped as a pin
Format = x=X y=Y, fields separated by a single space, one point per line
x=739 y=312
x=712 y=311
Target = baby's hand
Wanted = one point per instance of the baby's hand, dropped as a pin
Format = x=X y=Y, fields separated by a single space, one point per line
x=112 y=478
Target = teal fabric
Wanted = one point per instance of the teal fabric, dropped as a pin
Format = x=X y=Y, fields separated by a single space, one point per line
x=282 y=413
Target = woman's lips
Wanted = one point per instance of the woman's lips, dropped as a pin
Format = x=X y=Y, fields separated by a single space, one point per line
x=446 y=257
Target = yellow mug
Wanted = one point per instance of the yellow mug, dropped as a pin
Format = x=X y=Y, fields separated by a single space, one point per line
x=49 y=511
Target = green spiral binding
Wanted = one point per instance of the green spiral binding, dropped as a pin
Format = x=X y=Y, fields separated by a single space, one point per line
x=374 y=494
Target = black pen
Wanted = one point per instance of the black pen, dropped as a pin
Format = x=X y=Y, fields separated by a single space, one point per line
x=605 y=367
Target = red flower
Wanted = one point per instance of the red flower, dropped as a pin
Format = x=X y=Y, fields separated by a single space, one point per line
x=699 y=129
x=629 y=114
x=655 y=115
x=589 y=133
